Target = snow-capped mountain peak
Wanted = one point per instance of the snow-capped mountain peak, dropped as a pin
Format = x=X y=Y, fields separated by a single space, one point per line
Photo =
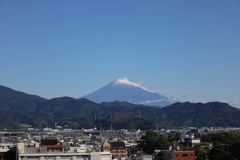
x=125 y=81
x=124 y=90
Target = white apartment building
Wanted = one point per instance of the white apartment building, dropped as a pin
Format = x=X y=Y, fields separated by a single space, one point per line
x=44 y=153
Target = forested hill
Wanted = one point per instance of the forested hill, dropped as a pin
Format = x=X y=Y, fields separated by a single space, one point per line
x=200 y=114
x=71 y=109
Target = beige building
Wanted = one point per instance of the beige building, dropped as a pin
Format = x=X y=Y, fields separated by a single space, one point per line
x=57 y=153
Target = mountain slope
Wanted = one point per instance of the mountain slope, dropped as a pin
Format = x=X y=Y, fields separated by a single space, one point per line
x=120 y=121
x=10 y=98
x=200 y=114
x=8 y=93
x=124 y=90
x=18 y=107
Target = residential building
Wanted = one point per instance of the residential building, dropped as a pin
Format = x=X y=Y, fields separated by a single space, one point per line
x=49 y=151
x=174 y=155
x=106 y=146
x=118 y=149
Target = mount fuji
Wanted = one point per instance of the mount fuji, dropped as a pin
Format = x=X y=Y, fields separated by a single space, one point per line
x=124 y=90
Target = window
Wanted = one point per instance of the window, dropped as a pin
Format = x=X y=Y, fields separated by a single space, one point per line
x=184 y=155
x=66 y=157
x=79 y=157
x=105 y=156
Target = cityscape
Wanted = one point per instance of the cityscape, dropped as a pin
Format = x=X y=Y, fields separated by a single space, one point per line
x=119 y=80
x=65 y=143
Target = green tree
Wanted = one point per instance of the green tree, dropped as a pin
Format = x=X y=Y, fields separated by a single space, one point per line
x=170 y=137
x=197 y=135
x=200 y=152
x=219 y=152
x=151 y=141
x=177 y=136
x=226 y=146
x=161 y=142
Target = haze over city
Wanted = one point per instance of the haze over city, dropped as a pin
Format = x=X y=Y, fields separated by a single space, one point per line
x=187 y=50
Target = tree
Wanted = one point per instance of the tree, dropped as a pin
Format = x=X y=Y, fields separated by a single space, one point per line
x=151 y=141
x=177 y=136
x=170 y=137
x=161 y=142
x=226 y=146
x=219 y=152
x=200 y=152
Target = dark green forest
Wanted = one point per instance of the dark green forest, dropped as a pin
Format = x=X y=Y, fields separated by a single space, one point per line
x=20 y=108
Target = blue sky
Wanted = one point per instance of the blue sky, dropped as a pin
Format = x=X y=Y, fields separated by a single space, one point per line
x=189 y=50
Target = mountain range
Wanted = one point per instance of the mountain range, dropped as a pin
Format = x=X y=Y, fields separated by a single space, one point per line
x=124 y=90
x=18 y=108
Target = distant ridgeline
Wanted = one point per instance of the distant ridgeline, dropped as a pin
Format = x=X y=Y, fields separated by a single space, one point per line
x=18 y=108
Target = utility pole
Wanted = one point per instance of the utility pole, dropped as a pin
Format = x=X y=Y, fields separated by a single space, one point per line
x=206 y=157
x=111 y=121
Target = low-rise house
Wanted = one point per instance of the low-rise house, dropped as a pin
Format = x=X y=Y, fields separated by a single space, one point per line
x=190 y=141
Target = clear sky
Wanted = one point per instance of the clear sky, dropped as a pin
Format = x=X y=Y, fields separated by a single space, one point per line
x=186 y=49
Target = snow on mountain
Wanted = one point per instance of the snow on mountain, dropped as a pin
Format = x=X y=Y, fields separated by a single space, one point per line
x=124 y=90
x=126 y=82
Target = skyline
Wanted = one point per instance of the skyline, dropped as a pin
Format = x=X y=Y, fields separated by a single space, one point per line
x=188 y=50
